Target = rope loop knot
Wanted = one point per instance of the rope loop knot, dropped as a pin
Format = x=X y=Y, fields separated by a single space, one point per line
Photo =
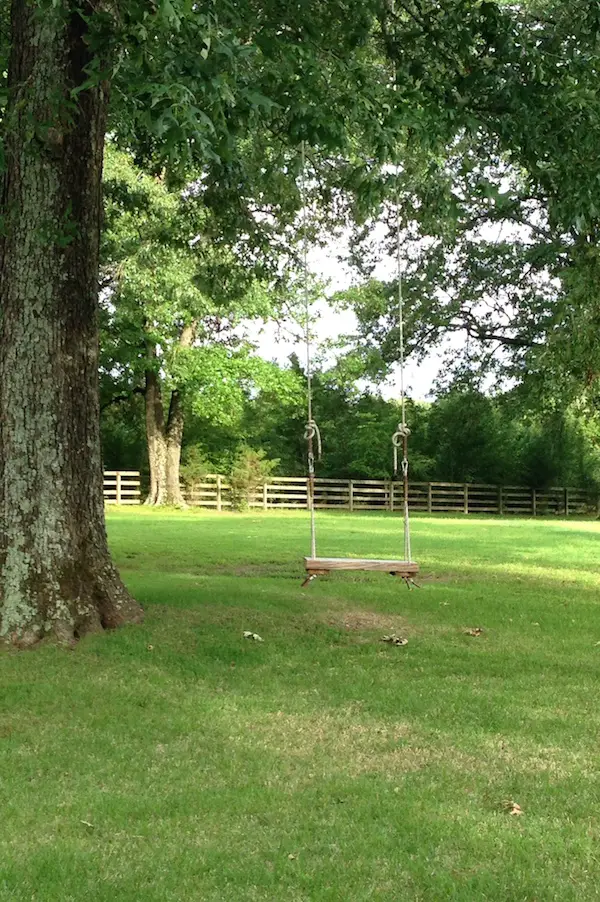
x=399 y=437
x=311 y=431
x=402 y=432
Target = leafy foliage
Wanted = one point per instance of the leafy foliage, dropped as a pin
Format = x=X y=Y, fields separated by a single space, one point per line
x=463 y=436
x=250 y=470
x=494 y=188
x=194 y=467
x=157 y=287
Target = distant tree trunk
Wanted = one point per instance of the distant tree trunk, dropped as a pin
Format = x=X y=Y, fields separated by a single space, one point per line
x=56 y=574
x=155 y=437
x=164 y=444
x=165 y=438
x=174 y=440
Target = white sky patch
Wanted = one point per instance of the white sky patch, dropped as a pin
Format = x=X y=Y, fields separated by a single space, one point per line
x=326 y=263
x=277 y=341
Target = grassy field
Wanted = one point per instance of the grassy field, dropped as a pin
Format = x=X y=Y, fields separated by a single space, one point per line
x=177 y=761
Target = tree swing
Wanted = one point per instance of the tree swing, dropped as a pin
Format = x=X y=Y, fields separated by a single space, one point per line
x=315 y=566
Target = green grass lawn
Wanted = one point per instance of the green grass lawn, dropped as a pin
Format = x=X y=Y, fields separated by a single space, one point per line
x=177 y=761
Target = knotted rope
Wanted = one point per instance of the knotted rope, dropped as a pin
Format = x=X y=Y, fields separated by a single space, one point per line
x=311 y=430
x=400 y=436
x=399 y=440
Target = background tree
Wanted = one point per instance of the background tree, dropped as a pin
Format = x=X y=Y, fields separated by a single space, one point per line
x=496 y=202
x=173 y=309
x=463 y=435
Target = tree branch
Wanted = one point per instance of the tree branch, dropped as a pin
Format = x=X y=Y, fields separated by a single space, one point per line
x=126 y=396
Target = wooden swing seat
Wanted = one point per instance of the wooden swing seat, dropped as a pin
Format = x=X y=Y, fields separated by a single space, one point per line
x=321 y=566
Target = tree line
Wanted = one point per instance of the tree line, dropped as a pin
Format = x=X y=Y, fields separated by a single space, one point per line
x=464 y=435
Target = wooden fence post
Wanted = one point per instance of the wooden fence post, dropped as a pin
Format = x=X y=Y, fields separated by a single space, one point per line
x=118 y=487
x=351 y=495
x=566 y=502
x=466 y=498
x=219 y=495
x=392 y=495
x=500 y=500
x=429 y=498
x=534 y=502
x=265 y=490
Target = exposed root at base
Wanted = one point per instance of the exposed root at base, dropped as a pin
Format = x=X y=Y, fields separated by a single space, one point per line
x=65 y=620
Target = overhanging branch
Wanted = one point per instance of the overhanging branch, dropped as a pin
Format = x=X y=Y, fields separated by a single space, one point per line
x=118 y=399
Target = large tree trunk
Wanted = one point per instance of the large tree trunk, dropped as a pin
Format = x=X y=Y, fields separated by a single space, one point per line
x=56 y=575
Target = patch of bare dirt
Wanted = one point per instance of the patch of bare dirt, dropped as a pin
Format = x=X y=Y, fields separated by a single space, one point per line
x=434 y=577
x=357 y=621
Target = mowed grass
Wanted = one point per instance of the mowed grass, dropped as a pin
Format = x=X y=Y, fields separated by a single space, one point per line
x=178 y=761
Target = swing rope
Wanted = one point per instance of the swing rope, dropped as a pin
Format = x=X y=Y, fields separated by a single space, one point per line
x=312 y=433
x=400 y=436
x=311 y=430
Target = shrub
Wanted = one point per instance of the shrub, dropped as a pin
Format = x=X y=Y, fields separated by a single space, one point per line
x=250 y=470
x=194 y=467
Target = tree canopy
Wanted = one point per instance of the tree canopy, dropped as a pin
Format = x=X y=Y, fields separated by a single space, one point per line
x=497 y=203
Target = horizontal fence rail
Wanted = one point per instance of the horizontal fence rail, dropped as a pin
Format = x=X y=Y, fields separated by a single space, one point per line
x=289 y=492
x=122 y=487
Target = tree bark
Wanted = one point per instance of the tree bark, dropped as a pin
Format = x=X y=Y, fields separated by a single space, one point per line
x=165 y=438
x=155 y=435
x=56 y=574
x=174 y=440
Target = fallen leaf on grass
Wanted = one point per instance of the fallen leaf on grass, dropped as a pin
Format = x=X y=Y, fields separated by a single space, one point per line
x=512 y=807
x=248 y=634
x=292 y=857
x=87 y=824
x=394 y=640
x=474 y=631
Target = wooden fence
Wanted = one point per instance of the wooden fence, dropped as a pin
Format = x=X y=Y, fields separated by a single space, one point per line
x=286 y=493
x=378 y=494
x=122 y=487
